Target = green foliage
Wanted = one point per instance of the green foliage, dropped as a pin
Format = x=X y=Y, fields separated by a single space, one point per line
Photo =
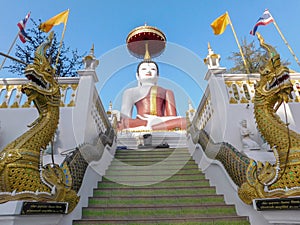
x=254 y=58
x=68 y=63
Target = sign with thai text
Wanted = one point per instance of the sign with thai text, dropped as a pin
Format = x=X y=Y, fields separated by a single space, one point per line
x=277 y=204
x=30 y=208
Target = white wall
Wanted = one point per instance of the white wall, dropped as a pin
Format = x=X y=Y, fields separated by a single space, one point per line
x=14 y=121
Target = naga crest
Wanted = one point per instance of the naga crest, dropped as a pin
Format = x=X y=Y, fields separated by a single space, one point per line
x=40 y=72
x=274 y=77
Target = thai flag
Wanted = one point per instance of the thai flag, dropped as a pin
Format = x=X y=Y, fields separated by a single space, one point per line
x=265 y=19
x=22 y=34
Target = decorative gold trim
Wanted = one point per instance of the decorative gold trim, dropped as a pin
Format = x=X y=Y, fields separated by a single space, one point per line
x=26 y=105
x=145 y=28
x=3 y=105
x=153 y=95
x=71 y=104
x=147 y=56
x=9 y=87
x=250 y=82
x=233 y=101
x=239 y=83
x=228 y=83
x=64 y=86
x=244 y=100
x=15 y=105
x=19 y=88
x=74 y=86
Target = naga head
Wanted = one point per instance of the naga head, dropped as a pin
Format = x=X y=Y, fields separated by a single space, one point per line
x=274 y=77
x=40 y=73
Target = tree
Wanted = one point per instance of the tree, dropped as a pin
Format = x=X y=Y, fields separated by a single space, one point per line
x=69 y=61
x=254 y=58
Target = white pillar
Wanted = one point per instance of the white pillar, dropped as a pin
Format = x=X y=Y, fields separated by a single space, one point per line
x=82 y=119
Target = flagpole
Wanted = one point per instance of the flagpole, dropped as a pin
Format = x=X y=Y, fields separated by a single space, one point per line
x=61 y=40
x=238 y=44
x=285 y=41
x=10 y=48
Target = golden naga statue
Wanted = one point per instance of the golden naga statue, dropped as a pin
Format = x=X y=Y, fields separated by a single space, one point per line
x=282 y=179
x=22 y=174
x=256 y=179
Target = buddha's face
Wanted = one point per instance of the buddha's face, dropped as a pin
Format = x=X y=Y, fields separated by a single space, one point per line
x=147 y=73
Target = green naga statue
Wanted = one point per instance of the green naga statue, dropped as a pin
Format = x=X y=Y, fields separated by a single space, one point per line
x=257 y=179
x=22 y=174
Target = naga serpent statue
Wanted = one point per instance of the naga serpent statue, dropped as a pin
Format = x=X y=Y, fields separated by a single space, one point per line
x=22 y=174
x=257 y=179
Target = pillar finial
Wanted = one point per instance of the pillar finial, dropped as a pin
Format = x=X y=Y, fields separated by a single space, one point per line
x=212 y=60
x=90 y=62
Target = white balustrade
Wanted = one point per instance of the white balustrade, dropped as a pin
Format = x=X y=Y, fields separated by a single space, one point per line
x=11 y=95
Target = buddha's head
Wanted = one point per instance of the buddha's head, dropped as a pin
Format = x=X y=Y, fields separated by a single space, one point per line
x=147 y=73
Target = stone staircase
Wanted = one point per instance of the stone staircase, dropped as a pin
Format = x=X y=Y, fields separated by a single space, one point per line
x=157 y=186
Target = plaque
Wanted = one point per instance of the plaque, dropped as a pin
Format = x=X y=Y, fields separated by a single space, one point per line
x=31 y=208
x=277 y=204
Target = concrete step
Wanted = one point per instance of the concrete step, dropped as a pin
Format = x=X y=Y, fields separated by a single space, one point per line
x=188 y=171
x=155 y=167
x=154 y=191
x=153 y=183
x=195 y=220
x=166 y=177
x=158 y=211
x=158 y=200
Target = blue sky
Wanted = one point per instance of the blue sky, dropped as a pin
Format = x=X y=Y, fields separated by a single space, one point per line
x=186 y=25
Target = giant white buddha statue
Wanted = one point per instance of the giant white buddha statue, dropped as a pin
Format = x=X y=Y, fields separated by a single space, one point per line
x=155 y=105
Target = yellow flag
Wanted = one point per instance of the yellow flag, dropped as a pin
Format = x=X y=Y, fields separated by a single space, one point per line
x=219 y=24
x=56 y=20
